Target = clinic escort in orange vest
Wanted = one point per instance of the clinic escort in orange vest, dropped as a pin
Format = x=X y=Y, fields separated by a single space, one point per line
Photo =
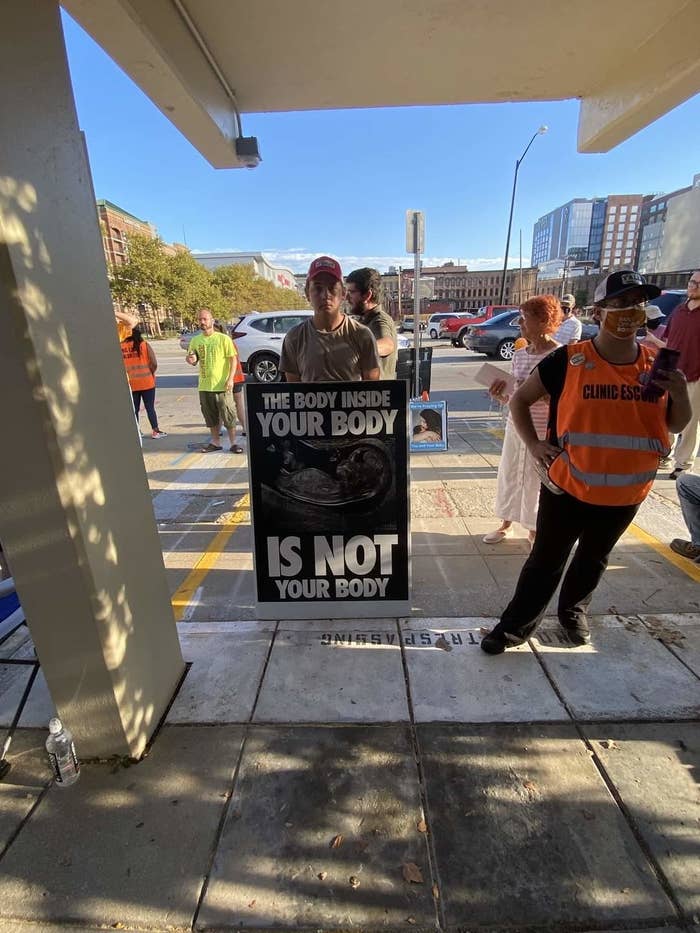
x=612 y=444
x=138 y=369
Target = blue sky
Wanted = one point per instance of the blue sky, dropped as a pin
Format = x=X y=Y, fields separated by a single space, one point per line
x=339 y=182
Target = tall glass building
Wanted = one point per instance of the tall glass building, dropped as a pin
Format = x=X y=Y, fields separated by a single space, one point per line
x=563 y=232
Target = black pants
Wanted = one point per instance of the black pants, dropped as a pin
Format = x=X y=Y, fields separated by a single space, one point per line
x=561 y=521
x=149 y=402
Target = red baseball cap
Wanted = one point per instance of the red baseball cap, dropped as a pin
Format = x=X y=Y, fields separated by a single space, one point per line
x=327 y=265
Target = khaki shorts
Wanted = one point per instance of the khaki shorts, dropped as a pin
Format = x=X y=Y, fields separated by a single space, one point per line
x=218 y=408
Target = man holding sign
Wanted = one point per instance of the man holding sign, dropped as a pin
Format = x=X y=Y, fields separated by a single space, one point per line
x=330 y=346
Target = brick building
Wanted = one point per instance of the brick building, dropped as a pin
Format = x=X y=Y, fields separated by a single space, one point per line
x=455 y=288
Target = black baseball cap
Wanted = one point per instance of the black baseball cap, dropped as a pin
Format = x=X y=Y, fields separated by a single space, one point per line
x=617 y=283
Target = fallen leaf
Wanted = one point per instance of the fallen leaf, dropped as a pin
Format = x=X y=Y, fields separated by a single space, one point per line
x=588 y=814
x=119 y=926
x=531 y=789
x=322 y=875
x=484 y=631
x=608 y=743
x=252 y=903
x=436 y=893
x=442 y=644
x=336 y=841
x=354 y=882
x=422 y=826
x=410 y=920
x=411 y=872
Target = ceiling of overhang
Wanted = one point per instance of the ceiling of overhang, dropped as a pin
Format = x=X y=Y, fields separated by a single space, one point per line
x=282 y=55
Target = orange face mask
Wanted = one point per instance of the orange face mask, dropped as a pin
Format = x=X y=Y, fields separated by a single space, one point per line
x=624 y=322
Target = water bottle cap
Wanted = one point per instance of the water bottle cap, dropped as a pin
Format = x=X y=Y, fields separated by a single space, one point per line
x=55 y=726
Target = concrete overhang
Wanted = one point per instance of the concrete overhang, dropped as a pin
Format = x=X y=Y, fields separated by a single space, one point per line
x=203 y=61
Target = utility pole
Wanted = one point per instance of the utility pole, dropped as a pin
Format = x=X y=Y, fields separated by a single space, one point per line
x=415 y=243
x=399 y=281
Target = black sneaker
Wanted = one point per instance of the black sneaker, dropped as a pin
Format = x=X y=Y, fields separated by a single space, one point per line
x=676 y=473
x=497 y=641
x=578 y=633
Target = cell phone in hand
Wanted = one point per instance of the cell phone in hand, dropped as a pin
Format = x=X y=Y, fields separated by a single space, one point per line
x=666 y=359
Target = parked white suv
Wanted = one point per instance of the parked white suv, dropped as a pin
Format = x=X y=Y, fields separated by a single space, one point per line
x=258 y=337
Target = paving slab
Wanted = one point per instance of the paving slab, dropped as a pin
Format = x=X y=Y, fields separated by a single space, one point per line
x=687 y=625
x=125 y=846
x=474 y=500
x=331 y=672
x=453 y=680
x=222 y=683
x=454 y=585
x=440 y=536
x=299 y=789
x=526 y=833
x=654 y=768
x=623 y=674
x=29 y=765
x=13 y=679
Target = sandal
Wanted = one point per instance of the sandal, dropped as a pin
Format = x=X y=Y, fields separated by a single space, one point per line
x=495 y=537
x=210 y=448
x=236 y=449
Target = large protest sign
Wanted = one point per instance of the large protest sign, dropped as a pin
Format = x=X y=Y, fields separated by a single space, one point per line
x=329 y=487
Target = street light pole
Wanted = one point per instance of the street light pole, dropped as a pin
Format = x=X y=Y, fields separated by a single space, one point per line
x=539 y=132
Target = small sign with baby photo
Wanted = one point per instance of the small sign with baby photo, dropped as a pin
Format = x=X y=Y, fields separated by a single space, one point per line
x=428 y=426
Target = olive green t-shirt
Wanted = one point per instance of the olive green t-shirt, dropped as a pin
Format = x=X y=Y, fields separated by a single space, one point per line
x=214 y=353
x=339 y=355
x=382 y=325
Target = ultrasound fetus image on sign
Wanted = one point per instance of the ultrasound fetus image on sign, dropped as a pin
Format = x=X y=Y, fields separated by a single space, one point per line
x=338 y=477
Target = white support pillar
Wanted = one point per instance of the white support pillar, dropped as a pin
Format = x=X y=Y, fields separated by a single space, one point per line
x=76 y=518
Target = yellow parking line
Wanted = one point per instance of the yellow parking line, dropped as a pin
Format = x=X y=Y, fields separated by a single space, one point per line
x=209 y=558
x=687 y=566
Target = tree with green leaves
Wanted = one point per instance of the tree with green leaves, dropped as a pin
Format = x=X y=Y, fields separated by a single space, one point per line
x=244 y=291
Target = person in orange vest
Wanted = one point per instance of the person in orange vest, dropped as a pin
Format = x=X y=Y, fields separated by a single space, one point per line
x=605 y=437
x=141 y=365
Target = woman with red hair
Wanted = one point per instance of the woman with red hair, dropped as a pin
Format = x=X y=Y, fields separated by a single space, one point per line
x=518 y=483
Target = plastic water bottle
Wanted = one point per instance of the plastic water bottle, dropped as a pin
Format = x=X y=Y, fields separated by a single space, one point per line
x=62 y=758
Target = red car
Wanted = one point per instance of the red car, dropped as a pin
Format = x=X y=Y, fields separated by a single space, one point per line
x=457 y=327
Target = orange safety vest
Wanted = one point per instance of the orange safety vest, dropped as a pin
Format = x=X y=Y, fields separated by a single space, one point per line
x=612 y=441
x=138 y=371
x=238 y=375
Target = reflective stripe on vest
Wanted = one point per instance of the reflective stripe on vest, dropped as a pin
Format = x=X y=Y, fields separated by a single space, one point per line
x=614 y=441
x=609 y=479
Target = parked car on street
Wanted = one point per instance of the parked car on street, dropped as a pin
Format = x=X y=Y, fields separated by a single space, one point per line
x=407 y=325
x=456 y=328
x=497 y=336
x=186 y=337
x=668 y=301
x=433 y=323
x=258 y=338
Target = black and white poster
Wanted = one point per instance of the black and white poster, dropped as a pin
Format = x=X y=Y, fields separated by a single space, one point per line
x=329 y=488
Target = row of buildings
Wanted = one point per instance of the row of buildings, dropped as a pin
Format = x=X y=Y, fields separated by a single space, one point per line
x=652 y=233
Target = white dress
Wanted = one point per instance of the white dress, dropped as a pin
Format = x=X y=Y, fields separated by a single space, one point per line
x=518 y=491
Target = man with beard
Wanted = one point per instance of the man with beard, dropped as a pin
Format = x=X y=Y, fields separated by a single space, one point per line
x=362 y=291
x=330 y=346
x=605 y=438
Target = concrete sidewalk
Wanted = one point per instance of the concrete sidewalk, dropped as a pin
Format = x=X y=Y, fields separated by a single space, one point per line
x=384 y=773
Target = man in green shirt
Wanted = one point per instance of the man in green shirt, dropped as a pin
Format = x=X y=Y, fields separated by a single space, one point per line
x=216 y=355
x=363 y=289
